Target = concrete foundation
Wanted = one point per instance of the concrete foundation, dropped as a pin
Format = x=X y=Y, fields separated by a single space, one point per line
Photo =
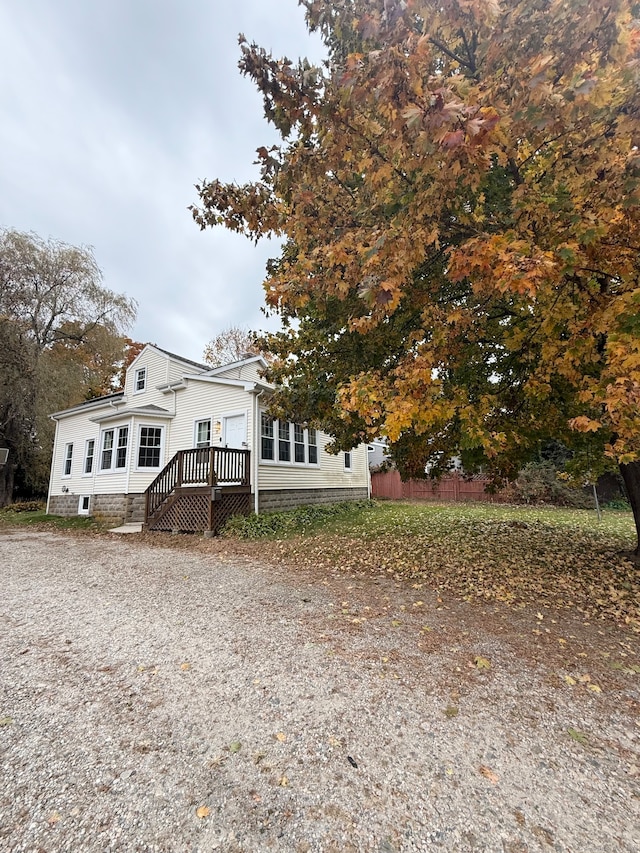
x=110 y=509
x=129 y=509
x=283 y=499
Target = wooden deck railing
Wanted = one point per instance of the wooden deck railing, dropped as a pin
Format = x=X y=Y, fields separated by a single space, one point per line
x=202 y=466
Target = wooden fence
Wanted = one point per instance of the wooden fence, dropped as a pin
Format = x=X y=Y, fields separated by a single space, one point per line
x=388 y=485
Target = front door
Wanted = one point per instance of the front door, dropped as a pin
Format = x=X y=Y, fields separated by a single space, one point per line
x=235 y=432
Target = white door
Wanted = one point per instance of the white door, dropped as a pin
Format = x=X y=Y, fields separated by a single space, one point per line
x=235 y=432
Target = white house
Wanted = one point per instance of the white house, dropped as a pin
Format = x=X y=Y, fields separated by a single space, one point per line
x=183 y=446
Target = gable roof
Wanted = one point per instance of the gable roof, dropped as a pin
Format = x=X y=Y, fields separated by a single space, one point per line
x=222 y=368
x=176 y=357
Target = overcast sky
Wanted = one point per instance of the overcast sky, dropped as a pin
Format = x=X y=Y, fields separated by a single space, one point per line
x=110 y=112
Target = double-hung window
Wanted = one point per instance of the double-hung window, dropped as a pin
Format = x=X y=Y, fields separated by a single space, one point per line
x=68 y=459
x=113 y=455
x=149 y=447
x=203 y=433
x=284 y=442
x=312 y=438
x=140 y=380
x=298 y=443
x=89 y=452
x=267 y=440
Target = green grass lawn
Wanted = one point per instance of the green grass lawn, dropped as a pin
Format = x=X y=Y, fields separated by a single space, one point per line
x=39 y=518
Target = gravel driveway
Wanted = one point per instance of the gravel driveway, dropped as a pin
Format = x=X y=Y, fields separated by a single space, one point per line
x=168 y=700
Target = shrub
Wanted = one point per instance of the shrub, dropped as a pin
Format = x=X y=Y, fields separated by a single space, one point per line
x=538 y=482
x=270 y=524
x=25 y=506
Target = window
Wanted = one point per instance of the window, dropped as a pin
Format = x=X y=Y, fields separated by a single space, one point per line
x=267 y=437
x=298 y=443
x=203 y=433
x=295 y=444
x=68 y=458
x=107 y=450
x=313 y=446
x=149 y=449
x=347 y=461
x=114 y=439
x=89 y=451
x=140 y=381
x=121 y=452
x=284 y=442
x=84 y=504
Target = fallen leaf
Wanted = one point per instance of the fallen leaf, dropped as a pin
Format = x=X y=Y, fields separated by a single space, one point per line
x=489 y=774
x=451 y=711
x=185 y=665
x=202 y=811
x=53 y=818
x=482 y=663
x=283 y=782
x=539 y=615
x=235 y=746
x=281 y=736
x=569 y=680
x=594 y=688
x=6 y=721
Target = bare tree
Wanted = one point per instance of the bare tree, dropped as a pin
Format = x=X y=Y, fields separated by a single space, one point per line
x=232 y=344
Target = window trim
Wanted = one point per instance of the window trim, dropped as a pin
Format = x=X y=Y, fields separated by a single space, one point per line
x=88 y=456
x=115 y=446
x=67 y=460
x=147 y=468
x=136 y=380
x=81 y=510
x=348 y=454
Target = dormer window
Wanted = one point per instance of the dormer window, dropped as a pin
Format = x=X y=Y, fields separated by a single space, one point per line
x=140 y=381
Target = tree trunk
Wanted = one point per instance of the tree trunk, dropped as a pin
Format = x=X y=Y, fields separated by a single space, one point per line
x=631 y=476
x=7 y=475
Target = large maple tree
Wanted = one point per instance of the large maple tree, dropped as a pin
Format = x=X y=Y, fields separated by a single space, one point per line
x=457 y=189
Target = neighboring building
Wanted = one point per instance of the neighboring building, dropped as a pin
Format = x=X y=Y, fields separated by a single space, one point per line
x=184 y=445
x=378 y=451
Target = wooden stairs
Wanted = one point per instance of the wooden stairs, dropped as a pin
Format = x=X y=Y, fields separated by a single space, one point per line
x=199 y=490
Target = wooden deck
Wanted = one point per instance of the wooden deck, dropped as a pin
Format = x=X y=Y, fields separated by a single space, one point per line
x=199 y=490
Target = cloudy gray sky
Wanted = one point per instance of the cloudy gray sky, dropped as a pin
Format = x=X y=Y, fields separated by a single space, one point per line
x=110 y=111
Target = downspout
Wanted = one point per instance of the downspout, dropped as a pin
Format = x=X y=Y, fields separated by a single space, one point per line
x=53 y=462
x=256 y=454
x=131 y=452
